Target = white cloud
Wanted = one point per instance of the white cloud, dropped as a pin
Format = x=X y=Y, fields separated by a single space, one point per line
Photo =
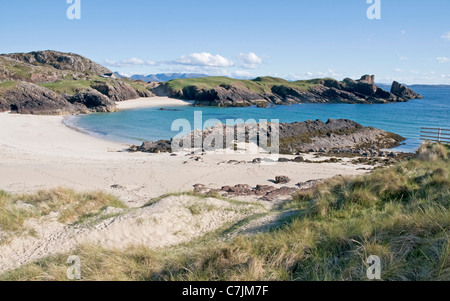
x=398 y=70
x=442 y=59
x=403 y=58
x=241 y=74
x=311 y=75
x=203 y=59
x=446 y=36
x=250 y=60
x=129 y=63
x=403 y=32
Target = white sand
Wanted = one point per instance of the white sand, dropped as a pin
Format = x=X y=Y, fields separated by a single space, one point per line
x=151 y=102
x=40 y=152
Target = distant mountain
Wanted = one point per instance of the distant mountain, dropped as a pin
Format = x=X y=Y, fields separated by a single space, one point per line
x=163 y=77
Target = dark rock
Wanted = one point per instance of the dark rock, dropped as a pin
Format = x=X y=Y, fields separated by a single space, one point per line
x=299 y=159
x=94 y=101
x=117 y=186
x=284 y=160
x=282 y=180
x=240 y=190
x=404 y=92
x=161 y=146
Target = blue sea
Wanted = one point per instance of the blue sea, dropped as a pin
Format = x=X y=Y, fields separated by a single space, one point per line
x=152 y=124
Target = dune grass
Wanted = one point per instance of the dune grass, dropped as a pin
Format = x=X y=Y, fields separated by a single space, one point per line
x=72 y=206
x=400 y=214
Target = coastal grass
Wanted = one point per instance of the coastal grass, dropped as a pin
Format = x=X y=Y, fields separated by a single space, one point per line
x=71 y=206
x=400 y=213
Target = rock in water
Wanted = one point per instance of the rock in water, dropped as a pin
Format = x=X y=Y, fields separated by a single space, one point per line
x=404 y=92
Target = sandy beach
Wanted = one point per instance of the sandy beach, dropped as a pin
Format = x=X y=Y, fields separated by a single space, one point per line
x=40 y=152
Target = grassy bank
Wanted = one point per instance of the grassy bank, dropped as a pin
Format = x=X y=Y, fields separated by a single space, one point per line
x=398 y=213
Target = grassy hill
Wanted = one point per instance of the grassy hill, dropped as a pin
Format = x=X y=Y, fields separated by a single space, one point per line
x=259 y=85
x=400 y=214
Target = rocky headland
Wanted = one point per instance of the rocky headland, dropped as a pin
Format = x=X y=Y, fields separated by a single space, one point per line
x=266 y=91
x=55 y=83
x=333 y=136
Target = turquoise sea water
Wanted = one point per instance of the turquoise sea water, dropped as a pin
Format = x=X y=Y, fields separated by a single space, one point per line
x=406 y=119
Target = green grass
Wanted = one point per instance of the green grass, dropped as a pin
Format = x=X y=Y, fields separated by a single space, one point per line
x=71 y=87
x=400 y=214
x=9 y=85
x=260 y=85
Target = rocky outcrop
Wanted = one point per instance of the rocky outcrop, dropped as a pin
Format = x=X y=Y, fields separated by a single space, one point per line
x=94 y=101
x=118 y=90
x=261 y=192
x=319 y=136
x=307 y=136
x=26 y=80
x=161 y=146
x=60 y=61
x=404 y=92
x=29 y=98
x=277 y=91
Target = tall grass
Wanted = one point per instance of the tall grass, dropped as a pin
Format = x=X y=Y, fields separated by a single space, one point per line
x=400 y=214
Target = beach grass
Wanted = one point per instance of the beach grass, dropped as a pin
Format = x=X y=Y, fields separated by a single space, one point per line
x=70 y=205
x=399 y=214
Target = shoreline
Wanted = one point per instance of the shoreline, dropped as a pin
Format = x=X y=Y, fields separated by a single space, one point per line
x=127 y=105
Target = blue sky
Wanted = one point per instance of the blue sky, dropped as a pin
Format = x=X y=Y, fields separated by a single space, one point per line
x=286 y=38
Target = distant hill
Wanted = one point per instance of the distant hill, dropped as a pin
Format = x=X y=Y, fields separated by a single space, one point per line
x=163 y=77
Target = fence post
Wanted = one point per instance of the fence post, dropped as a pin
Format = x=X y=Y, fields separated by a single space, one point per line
x=439 y=135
